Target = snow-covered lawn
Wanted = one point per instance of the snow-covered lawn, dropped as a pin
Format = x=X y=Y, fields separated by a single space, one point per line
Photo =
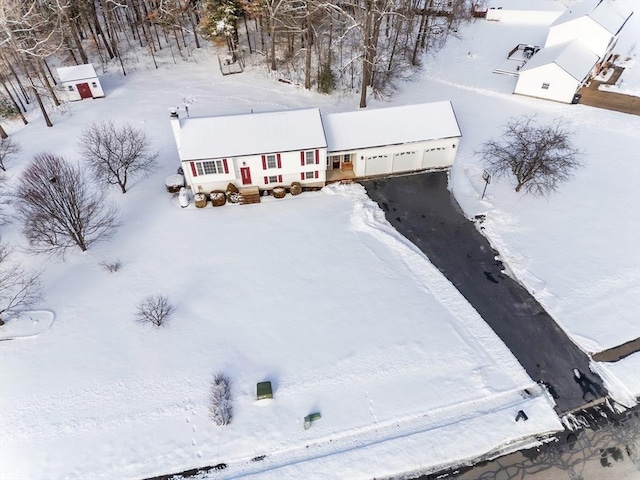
x=315 y=293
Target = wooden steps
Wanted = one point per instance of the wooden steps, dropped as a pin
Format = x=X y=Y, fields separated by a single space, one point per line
x=249 y=195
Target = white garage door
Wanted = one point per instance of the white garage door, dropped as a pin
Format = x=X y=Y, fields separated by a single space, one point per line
x=435 y=157
x=404 y=161
x=377 y=165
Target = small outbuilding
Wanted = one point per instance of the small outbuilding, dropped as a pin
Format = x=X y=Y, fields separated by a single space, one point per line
x=79 y=82
x=557 y=72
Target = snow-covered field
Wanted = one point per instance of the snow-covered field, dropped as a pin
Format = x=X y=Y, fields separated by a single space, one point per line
x=316 y=293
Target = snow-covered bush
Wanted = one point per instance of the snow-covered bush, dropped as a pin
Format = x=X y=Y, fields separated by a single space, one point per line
x=111 y=267
x=220 y=408
x=156 y=309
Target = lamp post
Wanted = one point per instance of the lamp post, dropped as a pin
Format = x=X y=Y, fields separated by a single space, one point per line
x=487 y=180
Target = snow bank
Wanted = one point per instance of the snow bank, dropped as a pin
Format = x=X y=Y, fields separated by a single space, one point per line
x=621 y=378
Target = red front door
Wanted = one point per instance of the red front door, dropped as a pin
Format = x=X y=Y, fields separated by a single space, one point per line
x=84 y=90
x=245 y=173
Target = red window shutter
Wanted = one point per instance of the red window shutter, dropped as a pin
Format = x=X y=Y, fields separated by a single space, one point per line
x=279 y=162
x=302 y=159
x=224 y=164
x=264 y=162
x=301 y=175
x=193 y=169
x=316 y=174
x=280 y=178
x=266 y=180
x=317 y=157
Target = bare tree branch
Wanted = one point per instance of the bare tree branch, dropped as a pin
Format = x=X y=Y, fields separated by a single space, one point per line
x=116 y=154
x=541 y=157
x=59 y=208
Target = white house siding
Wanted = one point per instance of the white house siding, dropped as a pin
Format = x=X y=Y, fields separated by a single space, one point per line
x=287 y=169
x=79 y=76
x=592 y=35
x=404 y=158
x=562 y=86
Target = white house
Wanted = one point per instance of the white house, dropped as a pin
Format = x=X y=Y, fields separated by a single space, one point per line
x=557 y=72
x=262 y=150
x=266 y=150
x=80 y=82
x=392 y=140
x=596 y=23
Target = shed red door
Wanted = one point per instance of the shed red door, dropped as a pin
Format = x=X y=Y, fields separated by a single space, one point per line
x=245 y=173
x=84 y=90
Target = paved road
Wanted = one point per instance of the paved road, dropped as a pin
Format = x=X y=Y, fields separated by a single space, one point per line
x=609 y=448
x=423 y=210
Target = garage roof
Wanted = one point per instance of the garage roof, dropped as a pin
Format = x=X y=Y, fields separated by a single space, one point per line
x=251 y=134
x=390 y=126
x=573 y=57
x=609 y=14
x=76 y=72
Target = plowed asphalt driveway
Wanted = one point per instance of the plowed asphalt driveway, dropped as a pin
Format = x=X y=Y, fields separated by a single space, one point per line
x=424 y=211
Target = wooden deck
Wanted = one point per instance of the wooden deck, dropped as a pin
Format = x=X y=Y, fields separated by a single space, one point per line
x=340 y=175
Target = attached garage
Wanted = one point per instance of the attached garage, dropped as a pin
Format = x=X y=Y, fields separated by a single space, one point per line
x=393 y=140
x=404 y=161
x=434 y=156
x=376 y=164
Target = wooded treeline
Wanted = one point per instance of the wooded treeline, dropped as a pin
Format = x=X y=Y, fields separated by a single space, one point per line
x=361 y=45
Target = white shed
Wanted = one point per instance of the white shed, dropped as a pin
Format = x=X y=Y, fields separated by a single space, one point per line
x=80 y=82
x=557 y=72
x=392 y=140
x=597 y=23
x=261 y=150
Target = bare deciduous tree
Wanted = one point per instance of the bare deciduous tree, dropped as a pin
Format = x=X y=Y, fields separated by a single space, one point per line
x=539 y=156
x=7 y=148
x=60 y=208
x=116 y=154
x=221 y=408
x=19 y=289
x=155 y=309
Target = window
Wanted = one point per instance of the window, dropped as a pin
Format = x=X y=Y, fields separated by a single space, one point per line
x=309 y=157
x=347 y=158
x=273 y=179
x=309 y=175
x=94 y=84
x=271 y=161
x=70 y=88
x=545 y=86
x=209 y=167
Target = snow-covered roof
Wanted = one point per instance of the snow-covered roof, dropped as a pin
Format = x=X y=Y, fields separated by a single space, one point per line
x=610 y=14
x=76 y=72
x=529 y=5
x=390 y=126
x=251 y=134
x=573 y=57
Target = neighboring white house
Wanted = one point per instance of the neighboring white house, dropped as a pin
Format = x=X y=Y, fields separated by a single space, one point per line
x=392 y=140
x=261 y=150
x=80 y=82
x=557 y=72
x=266 y=150
x=596 y=23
